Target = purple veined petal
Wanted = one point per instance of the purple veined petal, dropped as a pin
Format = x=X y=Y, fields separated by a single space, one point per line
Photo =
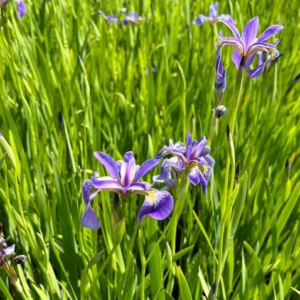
x=250 y=32
x=199 y=147
x=167 y=176
x=213 y=10
x=200 y=20
x=210 y=161
x=146 y=167
x=236 y=58
x=269 y=32
x=9 y=250
x=21 y=9
x=106 y=184
x=138 y=186
x=249 y=61
x=89 y=218
x=108 y=163
x=88 y=191
x=232 y=42
x=194 y=176
x=257 y=71
x=128 y=169
x=189 y=146
x=259 y=47
x=227 y=18
x=158 y=205
x=232 y=27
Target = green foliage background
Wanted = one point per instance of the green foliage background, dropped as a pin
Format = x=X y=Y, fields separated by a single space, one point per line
x=112 y=105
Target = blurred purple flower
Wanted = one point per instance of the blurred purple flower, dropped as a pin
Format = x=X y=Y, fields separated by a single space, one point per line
x=194 y=157
x=109 y=18
x=6 y=253
x=21 y=7
x=213 y=16
x=125 y=180
x=133 y=17
x=247 y=46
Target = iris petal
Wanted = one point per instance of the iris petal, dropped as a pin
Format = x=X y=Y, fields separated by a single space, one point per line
x=250 y=32
x=89 y=218
x=158 y=205
x=146 y=167
x=108 y=163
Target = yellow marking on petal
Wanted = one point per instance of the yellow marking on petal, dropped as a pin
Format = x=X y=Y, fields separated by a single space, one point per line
x=204 y=169
x=152 y=195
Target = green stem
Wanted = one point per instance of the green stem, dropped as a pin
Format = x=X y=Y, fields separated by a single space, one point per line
x=227 y=186
x=237 y=95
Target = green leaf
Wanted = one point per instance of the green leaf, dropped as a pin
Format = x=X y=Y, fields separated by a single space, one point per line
x=184 y=291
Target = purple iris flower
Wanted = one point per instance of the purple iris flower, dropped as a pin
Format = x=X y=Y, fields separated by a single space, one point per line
x=213 y=16
x=109 y=18
x=194 y=157
x=247 y=46
x=125 y=180
x=21 y=7
x=133 y=17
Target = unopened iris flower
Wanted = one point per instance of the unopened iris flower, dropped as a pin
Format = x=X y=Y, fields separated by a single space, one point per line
x=220 y=79
x=194 y=157
x=247 y=45
x=109 y=18
x=213 y=16
x=125 y=180
x=21 y=7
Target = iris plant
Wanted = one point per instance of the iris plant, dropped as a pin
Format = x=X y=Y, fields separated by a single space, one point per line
x=213 y=16
x=125 y=180
x=194 y=158
x=21 y=7
x=247 y=45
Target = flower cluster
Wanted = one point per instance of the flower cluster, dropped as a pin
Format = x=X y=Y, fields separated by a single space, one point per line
x=194 y=158
x=125 y=180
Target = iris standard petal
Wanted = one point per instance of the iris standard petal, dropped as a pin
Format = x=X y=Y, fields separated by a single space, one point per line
x=197 y=149
x=269 y=32
x=189 y=146
x=9 y=250
x=213 y=10
x=176 y=163
x=158 y=205
x=108 y=163
x=128 y=169
x=89 y=218
x=250 y=32
x=21 y=9
x=200 y=20
x=232 y=27
x=146 y=167
x=205 y=151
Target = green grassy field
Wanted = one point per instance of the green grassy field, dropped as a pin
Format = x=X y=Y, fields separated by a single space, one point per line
x=137 y=87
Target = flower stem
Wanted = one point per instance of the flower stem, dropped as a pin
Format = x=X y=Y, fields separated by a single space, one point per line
x=181 y=195
x=237 y=95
